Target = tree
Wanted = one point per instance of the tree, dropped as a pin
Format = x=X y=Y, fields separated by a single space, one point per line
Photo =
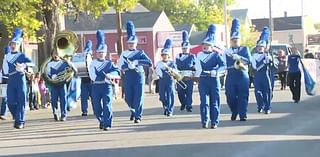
x=187 y=11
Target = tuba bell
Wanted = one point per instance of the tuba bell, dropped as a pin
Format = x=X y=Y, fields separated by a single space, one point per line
x=65 y=43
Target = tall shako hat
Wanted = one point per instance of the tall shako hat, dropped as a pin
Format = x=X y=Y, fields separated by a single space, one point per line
x=101 y=45
x=167 y=46
x=131 y=34
x=209 y=38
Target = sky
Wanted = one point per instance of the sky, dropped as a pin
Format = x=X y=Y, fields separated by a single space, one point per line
x=260 y=8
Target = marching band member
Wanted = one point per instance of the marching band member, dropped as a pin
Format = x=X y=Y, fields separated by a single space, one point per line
x=86 y=83
x=237 y=80
x=166 y=81
x=185 y=63
x=4 y=80
x=58 y=91
x=14 y=65
x=101 y=71
x=131 y=63
x=209 y=64
x=262 y=82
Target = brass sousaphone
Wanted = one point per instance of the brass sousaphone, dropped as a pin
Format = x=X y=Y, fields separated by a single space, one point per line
x=65 y=44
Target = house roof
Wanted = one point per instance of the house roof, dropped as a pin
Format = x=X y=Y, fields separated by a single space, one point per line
x=241 y=14
x=197 y=37
x=107 y=21
x=280 y=23
x=137 y=8
x=186 y=27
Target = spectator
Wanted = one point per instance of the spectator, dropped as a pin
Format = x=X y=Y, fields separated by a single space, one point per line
x=282 y=69
x=308 y=54
x=44 y=92
x=33 y=86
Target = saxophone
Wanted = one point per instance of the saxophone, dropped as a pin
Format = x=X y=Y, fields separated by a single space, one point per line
x=65 y=43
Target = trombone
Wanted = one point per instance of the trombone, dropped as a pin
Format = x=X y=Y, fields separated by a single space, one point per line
x=131 y=63
x=177 y=77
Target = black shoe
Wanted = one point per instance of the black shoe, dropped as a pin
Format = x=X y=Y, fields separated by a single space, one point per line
x=234 y=117
x=84 y=114
x=63 y=119
x=31 y=109
x=297 y=101
x=165 y=112
x=137 y=120
x=267 y=112
x=55 y=117
x=68 y=109
x=169 y=115
x=189 y=109
x=101 y=125
x=106 y=129
x=19 y=126
x=213 y=126
x=259 y=110
x=131 y=117
x=182 y=107
x=243 y=119
x=205 y=126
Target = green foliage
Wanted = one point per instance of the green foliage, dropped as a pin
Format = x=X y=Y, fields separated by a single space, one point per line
x=186 y=11
x=122 y=5
x=20 y=13
x=317 y=26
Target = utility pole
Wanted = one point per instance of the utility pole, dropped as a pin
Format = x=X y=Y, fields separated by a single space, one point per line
x=225 y=23
x=270 y=21
x=119 y=30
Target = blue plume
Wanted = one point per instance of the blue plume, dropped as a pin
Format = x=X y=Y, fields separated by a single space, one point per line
x=167 y=46
x=88 y=47
x=7 y=50
x=131 y=34
x=265 y=35
x=17 y=36
x=185 y=39
x=209 y=39
x=235 y=29
x=101 y=45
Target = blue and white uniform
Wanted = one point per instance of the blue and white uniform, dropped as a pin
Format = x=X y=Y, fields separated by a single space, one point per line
x=13 y=65
x=208 y=67
x=185 y=64
x=102 y=90
x=86 y=83
x=131 y=63
x=237 y=80
x=262 y=81
x=166 y=86
x=58 y=91
x=101 y=71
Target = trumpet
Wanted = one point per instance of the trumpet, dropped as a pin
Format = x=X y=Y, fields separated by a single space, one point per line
x=238 y=64
x=177 y=77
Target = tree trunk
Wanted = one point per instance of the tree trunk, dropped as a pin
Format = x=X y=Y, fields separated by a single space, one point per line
x=3 y=42
x=51 y=25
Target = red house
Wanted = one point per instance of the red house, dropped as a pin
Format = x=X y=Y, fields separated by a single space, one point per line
x=152 y=29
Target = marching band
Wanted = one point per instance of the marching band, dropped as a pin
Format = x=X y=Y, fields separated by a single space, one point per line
x=180 y=73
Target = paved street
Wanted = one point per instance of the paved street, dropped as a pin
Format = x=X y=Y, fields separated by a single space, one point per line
x=291 y=130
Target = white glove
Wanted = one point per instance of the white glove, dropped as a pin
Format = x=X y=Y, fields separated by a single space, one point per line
x=135 y=62
x=131 y=66
x=235 y=57
x=108 y=76
x=213 y=73
x=54 y=76
x=19 y=67
x=267 y=60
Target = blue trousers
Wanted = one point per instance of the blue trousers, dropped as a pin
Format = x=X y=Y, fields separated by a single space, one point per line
x=185 y=95
x=134 y=92
x=16 y=94
x=262 y=91
x=59 y=92
x=102 y=103
x=166 y=88
x=209 y=90
x=85 y=93
x=237 y=92
x=4 y=104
